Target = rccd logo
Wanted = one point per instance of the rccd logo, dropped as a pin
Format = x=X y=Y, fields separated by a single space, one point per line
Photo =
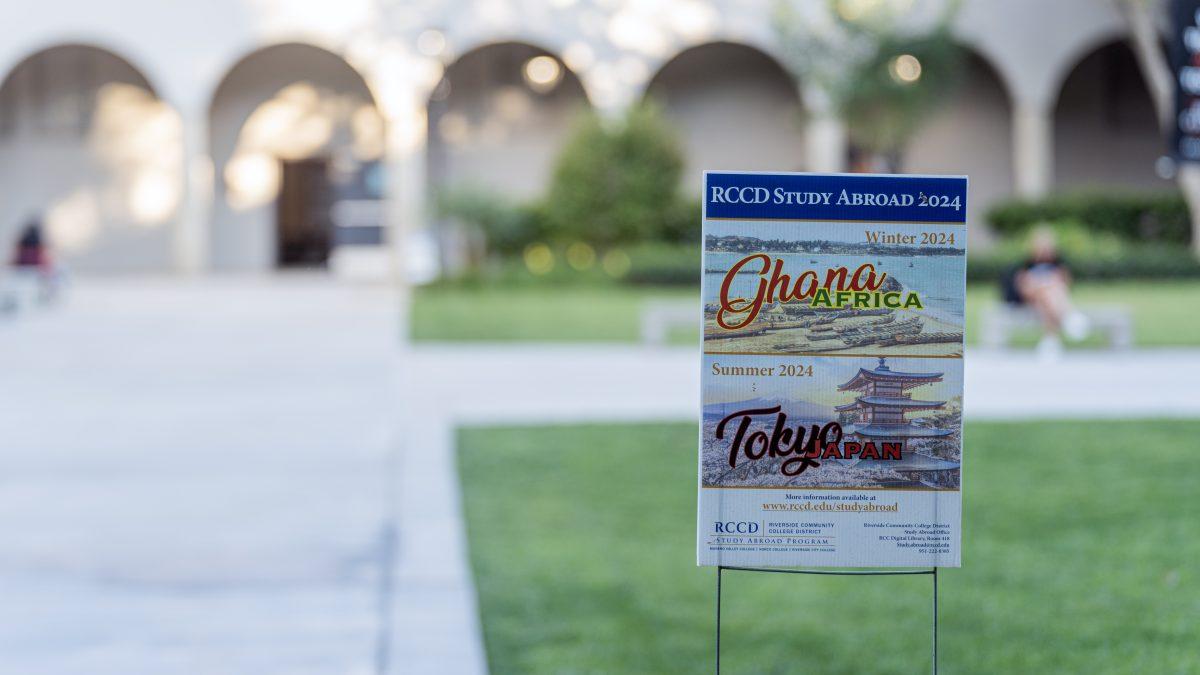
x=742 y=195
x=736 y=527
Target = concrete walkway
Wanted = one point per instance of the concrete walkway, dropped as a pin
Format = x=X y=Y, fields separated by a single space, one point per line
x=252 y=476
x=535 y=382
x=193 y=478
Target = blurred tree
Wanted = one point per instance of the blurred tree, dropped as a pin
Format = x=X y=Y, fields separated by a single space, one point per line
x=884 y=64
x=617 y=181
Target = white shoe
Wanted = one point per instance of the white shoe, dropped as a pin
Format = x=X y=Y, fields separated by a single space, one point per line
x=1076 y=326
x=1049 y=349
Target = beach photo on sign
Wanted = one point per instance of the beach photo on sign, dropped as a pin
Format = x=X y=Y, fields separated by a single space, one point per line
x=832 y=423
x=812 y=288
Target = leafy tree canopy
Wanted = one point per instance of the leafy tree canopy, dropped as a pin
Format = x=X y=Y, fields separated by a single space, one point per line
x=884 y=64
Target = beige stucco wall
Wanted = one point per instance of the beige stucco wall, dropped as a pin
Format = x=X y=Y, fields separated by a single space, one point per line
x=56 y=164
x=970 y=134
x=734 y=108
x=184 y=50
x=491 y=131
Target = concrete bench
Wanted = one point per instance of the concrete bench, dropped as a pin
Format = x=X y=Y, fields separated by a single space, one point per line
x=15 y=292
x=24 y=289
x=659 y=317
x=1001 y=321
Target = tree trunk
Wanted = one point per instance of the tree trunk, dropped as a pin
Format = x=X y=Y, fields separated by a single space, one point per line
x=1147 y=47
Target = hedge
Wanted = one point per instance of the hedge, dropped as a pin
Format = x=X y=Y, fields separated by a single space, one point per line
x=1133 y=216
x=679 y=265
x=664 y=265
x=1134 y=262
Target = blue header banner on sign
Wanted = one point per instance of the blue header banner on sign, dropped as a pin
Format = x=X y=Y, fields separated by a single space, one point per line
x=857 y=197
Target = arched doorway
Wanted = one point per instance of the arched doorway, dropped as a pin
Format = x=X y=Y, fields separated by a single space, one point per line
x=971 y=133
x=87 y=148
x=496 y=123
x=498 y=119
x=1106 y=133
x=735 y=107
x=296 y=142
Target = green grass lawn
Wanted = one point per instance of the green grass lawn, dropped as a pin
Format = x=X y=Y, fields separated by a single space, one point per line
x=1165 y=313
x=1080 y=553
x=537 y=313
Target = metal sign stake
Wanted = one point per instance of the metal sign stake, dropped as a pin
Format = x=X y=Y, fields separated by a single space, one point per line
x=933 y=572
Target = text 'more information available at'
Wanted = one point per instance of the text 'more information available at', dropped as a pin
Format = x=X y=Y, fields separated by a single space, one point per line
x=831 y=428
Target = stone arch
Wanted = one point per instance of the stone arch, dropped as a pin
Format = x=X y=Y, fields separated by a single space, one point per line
x=89 y=149
x=971 y=133
x=296 y=140
x=498 y=119
x=735 y=106
x=1106 y=133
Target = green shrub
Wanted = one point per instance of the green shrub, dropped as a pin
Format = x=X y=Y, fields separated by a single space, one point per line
x=664 y=264
x=1147 y=261
x=681 y=224
x=507 y=227
x=512 y=271
x=1091 y=255
x=650 y=264
x=989 y=268
x=1142 y=217
x=617 y=182
x=1140 y=262
x=615 y=186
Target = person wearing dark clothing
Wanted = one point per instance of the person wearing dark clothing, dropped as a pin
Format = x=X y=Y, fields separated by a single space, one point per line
x=1043 y=284
x=33 y=273
x=31 y=250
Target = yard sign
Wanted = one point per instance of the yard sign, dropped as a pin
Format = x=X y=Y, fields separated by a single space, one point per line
x=832 y=370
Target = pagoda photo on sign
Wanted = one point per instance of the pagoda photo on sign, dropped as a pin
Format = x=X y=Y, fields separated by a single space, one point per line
x=832 y=372
x=900 y=427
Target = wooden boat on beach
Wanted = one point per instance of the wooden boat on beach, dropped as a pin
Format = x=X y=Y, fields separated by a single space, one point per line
x=749 y=331
x=908 y=326
x=867 y=312
x=921 y=339
x=756 y=328
x=875 y=323
x=785 y=325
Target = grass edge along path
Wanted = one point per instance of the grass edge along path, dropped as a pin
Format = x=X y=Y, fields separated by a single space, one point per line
x=1080 y=550
x=545 y=313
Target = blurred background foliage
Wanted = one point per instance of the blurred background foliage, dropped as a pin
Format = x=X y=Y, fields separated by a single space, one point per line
x=883 y=69
x=581 y=232
x=888 y=96
x=613 y=231
x=1101 y=235
x=613 y=211
x=618 y=182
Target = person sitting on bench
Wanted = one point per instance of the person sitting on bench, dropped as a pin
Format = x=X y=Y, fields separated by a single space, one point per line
x=1043 y=284
x=32 y=266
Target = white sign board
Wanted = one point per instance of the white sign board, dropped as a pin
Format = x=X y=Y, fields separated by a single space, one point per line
x=832 y=370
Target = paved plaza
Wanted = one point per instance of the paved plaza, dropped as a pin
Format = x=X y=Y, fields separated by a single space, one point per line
x=194 y=479
x=255 y=475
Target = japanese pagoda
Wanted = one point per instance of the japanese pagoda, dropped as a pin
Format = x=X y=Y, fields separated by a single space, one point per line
x=878 y=415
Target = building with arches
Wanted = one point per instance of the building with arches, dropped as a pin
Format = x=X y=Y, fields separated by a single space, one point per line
x=246 y=136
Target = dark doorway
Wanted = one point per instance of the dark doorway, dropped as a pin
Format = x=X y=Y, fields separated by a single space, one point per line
x=302 y=214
